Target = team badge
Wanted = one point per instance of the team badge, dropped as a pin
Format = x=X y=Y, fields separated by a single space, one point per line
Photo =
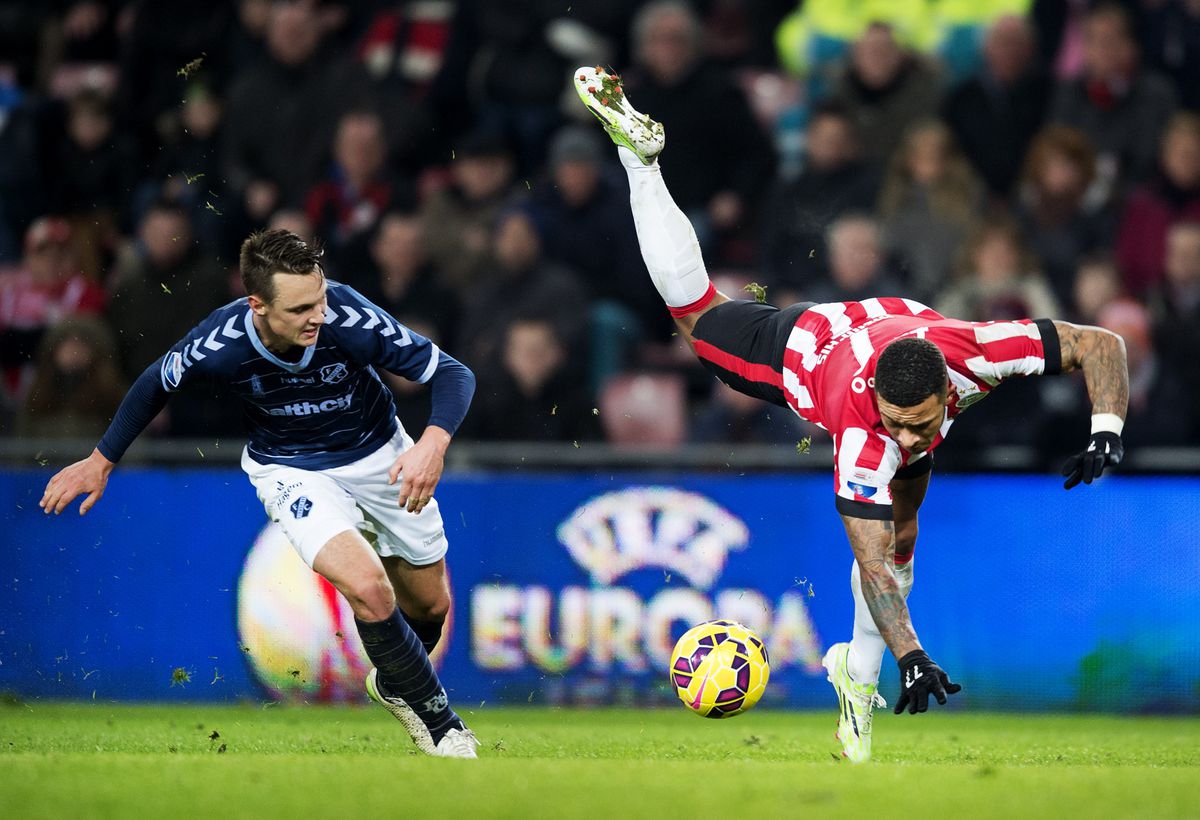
x=172 y=369
x=301 y=507
x=334 y=373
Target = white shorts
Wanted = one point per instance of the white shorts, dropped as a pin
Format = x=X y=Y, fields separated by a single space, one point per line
x=312 y=506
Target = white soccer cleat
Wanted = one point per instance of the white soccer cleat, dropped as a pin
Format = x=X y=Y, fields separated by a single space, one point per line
x=458 y=743
x=857 y=701
x=603 y=95
x=400 y=710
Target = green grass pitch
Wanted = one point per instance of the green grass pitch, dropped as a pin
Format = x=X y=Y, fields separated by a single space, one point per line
x=189 y=761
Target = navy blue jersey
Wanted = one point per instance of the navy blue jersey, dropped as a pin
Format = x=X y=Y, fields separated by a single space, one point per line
x=326 y=409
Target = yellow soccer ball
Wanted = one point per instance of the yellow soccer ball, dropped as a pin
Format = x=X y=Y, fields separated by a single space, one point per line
x=719 y=669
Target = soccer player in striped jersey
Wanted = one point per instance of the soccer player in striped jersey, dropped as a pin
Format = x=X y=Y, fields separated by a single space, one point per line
x=886 y=377
x=325 y=452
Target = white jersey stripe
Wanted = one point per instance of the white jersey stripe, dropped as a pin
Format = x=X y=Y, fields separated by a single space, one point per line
x=804 y=342
x=916 y=307
x=873 y=308
x=860 y=343
x=434 y=356
x=835 y=312
x=999 y=331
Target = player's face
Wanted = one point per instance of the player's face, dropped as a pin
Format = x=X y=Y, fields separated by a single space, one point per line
x=913 y=428
x=295 y=315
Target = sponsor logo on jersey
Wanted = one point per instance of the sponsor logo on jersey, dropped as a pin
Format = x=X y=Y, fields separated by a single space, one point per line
x=334 y=373
x=173 y=369
x=299 y=379
x=862 y=489
x=308 y=408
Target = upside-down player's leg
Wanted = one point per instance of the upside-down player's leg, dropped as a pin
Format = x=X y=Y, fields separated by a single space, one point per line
x=667 y=239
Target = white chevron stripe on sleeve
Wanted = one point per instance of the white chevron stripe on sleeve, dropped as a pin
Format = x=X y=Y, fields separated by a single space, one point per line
x=211 y=342
x=405 y=339
x=196 y=354
x=372 y=320
x=352 y=316
x=434 y=356
x=230 y=331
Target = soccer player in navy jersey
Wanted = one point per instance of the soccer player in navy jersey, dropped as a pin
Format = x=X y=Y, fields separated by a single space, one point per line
x=325 y=452
x=886 y=377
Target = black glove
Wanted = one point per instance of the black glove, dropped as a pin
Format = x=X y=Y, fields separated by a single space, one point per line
x=1104 y=449
x=920 y=676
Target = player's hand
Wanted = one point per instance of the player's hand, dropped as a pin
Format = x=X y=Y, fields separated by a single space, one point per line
x=1104 y=450
x=919 y=678
x=88 y=476
x=420 y=469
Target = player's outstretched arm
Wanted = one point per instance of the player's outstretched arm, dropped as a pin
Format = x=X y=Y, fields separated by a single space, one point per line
x=1101 y=355
x=88 y=476
x=874 y=545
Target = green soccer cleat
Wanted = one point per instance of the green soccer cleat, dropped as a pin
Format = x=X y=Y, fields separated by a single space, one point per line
x=857 y=701
x=602 y=93
x=402 y=712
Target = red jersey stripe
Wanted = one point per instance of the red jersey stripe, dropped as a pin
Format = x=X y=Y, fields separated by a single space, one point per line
x=747 y=370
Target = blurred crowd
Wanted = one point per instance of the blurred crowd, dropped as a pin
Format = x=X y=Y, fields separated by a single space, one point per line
x=992 y=158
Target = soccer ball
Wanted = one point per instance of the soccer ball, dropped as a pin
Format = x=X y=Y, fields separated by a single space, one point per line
x=719 y=669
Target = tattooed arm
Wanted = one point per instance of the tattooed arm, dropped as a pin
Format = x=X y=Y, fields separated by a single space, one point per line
x=874 y=545
x=1101 y=354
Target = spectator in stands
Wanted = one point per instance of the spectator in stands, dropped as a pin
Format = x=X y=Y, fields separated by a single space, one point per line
x=999 y=279
x=735 y=418
x=930 y=201
x=168 y=47
x=459 y=217
x=283 y=111
x=1159 y=401
x=520 y=282
x=533 y=394
x=45 y=288
x=1060 y=221
x=345 y=207
x=1171 y=196
x=77 y=387
x=885 y=88
x=187 y=168
x=405 y=283
x=1170 y=36
x=1097 y=282
x=163 y=289
x=93 y=168
x=995 y=114
x=835 y=180
x=579 y=205
x=1175 y=306
x=1121 y=107
x=719 y=190
x=856 y=264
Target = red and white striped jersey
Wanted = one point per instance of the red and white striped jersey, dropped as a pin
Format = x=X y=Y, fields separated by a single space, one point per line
x=829 y=376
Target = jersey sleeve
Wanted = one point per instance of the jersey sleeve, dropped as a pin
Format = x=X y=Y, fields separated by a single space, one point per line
x=177 y=368
x=1002 y=350
x=372 y=335
x=865 y=463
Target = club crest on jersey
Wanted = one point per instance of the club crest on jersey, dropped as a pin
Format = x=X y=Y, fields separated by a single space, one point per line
x=334 y=373
x=172 y=369
x=301 y=507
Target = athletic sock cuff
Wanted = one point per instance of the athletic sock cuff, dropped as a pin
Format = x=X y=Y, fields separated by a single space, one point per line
x=699 y=304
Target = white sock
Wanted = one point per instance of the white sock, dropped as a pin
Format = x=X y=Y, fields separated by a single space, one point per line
x=867 y=646
x=668 y=242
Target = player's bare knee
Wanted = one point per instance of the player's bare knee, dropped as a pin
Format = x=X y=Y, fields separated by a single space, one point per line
x=433 y=611
x=371 y=596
